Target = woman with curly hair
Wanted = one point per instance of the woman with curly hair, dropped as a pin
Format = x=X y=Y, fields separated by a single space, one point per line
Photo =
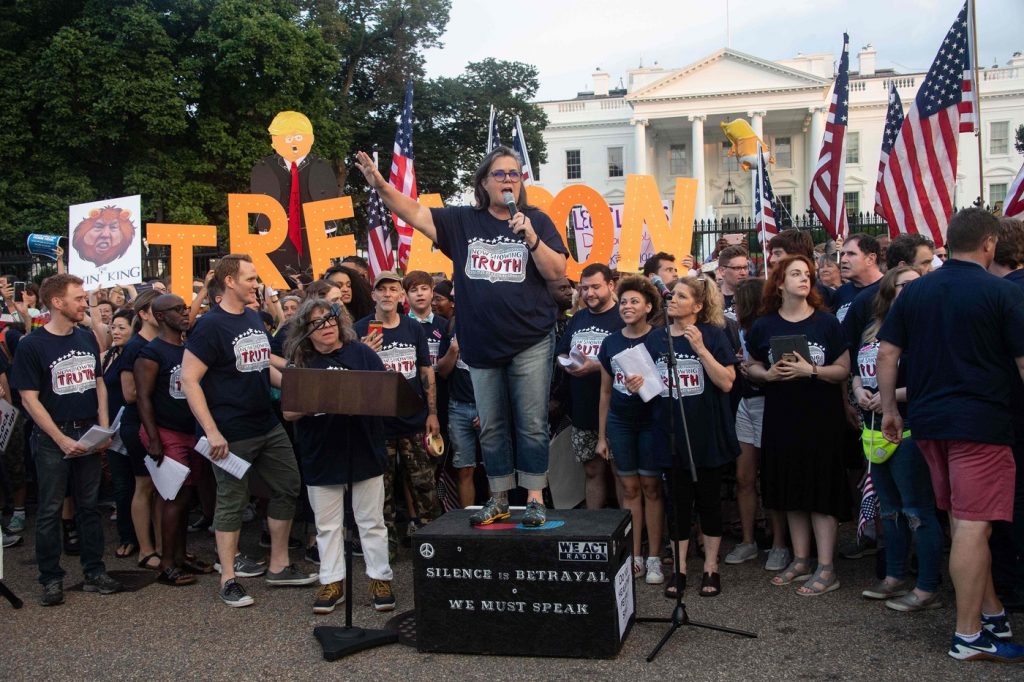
x=802 y=469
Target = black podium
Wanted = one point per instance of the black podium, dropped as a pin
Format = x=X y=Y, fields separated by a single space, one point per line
x=356 y=394
x=565 y=589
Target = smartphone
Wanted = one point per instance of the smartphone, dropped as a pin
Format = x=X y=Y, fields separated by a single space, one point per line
x=19 y=291
x=734 y=239
x=376 y=326
x=213 y=263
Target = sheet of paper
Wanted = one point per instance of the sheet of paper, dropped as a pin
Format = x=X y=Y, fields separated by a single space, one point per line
x=167 y=477
x=637 y=360
x=116 y=424
x=233 y=464
x=575 y=360
x=94 y=437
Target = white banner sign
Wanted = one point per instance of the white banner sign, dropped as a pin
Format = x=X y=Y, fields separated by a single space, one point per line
x=105 y=242
x=583 y=230
x=8 y=418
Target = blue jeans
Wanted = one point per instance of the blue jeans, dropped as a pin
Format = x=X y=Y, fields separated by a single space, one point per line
x=908 y=506
x=462 y=435
x=632 y=446
x=516 y=393
x=53 y=473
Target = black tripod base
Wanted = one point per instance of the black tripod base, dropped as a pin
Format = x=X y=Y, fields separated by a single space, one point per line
x=339 y=642
x=679 y=619
x=6 y=593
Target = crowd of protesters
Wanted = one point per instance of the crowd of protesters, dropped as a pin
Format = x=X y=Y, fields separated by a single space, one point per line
x=899 y=368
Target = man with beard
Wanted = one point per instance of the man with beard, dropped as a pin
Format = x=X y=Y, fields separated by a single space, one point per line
x=577 y=355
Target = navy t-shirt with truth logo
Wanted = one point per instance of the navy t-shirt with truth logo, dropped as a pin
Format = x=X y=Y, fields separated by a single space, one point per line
x=169 y=403
x=504 y=304
x=404 y=350
x=236 y=350
x=585 y=334
x=63 y=369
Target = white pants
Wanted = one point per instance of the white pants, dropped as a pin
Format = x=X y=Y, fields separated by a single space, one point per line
x=328 y=506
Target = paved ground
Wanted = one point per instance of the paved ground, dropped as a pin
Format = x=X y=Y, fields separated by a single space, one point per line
x=186 y=633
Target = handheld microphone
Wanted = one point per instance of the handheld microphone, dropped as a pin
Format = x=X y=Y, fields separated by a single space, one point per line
x=662 y=288
x=510 y=203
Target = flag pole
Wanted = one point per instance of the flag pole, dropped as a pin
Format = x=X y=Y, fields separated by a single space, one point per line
x=758 y=222
x=977 y=103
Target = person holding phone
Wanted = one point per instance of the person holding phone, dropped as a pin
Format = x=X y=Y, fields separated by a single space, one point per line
x=802 y=470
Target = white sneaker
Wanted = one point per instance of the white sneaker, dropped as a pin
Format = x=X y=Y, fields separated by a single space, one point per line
x=778 y=559
x=638 y=567
x=742 y=552
x=654 y=573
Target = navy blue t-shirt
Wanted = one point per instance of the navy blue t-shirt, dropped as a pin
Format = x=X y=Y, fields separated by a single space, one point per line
x=963 y=327
x=435 y=328
x=278 y=340
x=858 y=317
x=585 y=334
x=843 y=298
x=64 y=369
x=504 y=302
x=824 y=337
x=236 y=352
x=709 y=417
x=623 y=404
x=169 y=402
x=126 y=363
x=460 y=383
x=404 y=350
x=1017 y=396
x=112 y=380
x=326 y=442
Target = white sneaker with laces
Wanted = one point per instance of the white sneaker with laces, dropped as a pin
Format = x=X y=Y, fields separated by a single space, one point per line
x=654 y=574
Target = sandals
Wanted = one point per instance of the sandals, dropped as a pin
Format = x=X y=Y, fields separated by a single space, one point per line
x=144 y=562
x=675 y=585
x=811 y=587
x=710 y=580
x=125 y=550
x=175 y=577
x=196 y=566
x=797 y=570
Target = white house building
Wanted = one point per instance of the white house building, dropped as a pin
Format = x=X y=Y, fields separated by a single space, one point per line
x=665 y=122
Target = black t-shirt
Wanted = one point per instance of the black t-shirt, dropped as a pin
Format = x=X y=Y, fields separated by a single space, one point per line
x=709 y=417
x=504 y=304
x=585 y=333
x=236 y=351
x=824 y=337
x=1017 y=395
x=126 y=363
x=326 y=442
x=460 y=383
x=858 y=317
x=843 y=298
x=278 y=340
x=435 y=328
x=169 y=401
x=63 y=369
x=112 y=380
x=404 y=350
x=963 y=327
x=623 y=404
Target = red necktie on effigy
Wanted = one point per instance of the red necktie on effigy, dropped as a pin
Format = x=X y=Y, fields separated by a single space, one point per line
x=294 y=206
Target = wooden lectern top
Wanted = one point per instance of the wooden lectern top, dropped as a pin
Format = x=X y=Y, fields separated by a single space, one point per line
x=351 y=392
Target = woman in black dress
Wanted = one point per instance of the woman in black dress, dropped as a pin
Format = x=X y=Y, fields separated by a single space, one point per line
x=802 y=464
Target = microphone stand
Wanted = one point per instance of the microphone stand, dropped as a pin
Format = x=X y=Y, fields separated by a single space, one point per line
x=679 y=616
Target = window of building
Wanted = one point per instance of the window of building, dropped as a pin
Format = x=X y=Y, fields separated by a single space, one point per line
x=678 y=164
x=783 y=152
x=852 y=200
x=614 y=162
x=573 y=167
x=999 y=138
x=785 y=206
x=728 y=163
x=996 y=193
x=853 y=148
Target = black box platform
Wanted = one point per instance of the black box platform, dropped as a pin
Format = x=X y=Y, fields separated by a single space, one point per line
x=562 y=590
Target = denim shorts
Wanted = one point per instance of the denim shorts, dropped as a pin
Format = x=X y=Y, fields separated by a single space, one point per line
x=632 y=446
x=462 y=435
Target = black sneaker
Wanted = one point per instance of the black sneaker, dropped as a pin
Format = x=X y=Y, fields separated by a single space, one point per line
x=383 y=597
x=313 y=554
x=244 y=567
x=72 y=545
x=53 y=594
x=293 y=544
x=290 y=575
x=102 y=583
x=233 y=594
x=535 y=515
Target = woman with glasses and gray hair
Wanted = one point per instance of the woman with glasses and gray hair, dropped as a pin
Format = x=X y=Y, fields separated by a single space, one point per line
x=321 y=337
x=504 y=253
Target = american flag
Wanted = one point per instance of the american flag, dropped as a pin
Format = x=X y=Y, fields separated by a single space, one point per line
x=869 y=507
x=893 y=123
x=519 y=145
x=493 y=138
x=403 y=175
x=1013 y=205
x=829 y=183
x=381 y=258
x=764 y=203
x=917 y=183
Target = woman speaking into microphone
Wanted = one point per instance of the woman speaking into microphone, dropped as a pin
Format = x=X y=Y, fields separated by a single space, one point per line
x=504 y=253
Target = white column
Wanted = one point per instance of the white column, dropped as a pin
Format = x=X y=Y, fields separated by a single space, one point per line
x=757 y=122
x=817 y=133
x=697 y=168
x=640 y=145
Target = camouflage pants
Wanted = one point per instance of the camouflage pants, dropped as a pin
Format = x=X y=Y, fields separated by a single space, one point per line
x=419 y=477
